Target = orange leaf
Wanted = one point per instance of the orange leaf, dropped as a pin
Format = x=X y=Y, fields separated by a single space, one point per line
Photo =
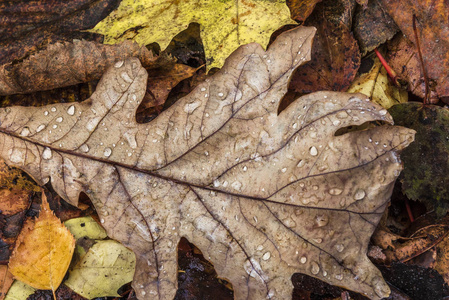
x=43 y=251
x=6 y=280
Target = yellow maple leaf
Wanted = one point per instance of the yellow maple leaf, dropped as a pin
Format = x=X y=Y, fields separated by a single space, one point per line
x=225 y=24
x=43 y=251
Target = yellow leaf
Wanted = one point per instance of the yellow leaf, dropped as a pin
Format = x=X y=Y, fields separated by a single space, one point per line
x=43 y=251
x=225 y=24
x=19 y=291
x=106 y=259
x=375 y=84
x=85 y=227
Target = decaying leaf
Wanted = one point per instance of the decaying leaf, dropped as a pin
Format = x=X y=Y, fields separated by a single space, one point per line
x=301 y=9
x=373 y=27
x=433 y=33
x=225 y=25
x=30 y=25
x=103 y=270
x=376 y=85
x=335 y=53
x=262 y=195
x=426 y=171
x=65 y=64
x=43 y=251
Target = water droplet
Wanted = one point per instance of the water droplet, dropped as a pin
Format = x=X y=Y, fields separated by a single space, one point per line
x=260 y=247
x=237 y=185
x=53 y=109
x=318 y=241
x=46 y=113
x=336 y=122
x=315 y=268
x=102 y=221
x=143 y=293
x=313 y=151
x=108 y=152
x=335 y=191
x=382 y=112
x=315 y=188
x=295 y=125
x=301 y=163
x=25 y=131
x=84 y=148
x=55 y=126
x=225 y=184
x=266 y=256
x=340 y=247
x=119 y=63
x=59 y=119
x=220 y=94
x=47 y=154
x=324 y=273
x=359 y=194
x=40 y=128
x=268 y=60
x=303 y=260
x=126 y=77
x=203 y=89
x=190 y=107
x=339 y=276
x=206 y=95
x=284 y=170
x=245 y=168
x=216 y=183
x=321 y=220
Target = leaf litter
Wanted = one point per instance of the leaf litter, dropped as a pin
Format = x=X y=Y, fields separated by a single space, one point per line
x=263 y=196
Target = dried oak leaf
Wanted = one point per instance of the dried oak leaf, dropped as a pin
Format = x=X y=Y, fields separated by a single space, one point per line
x=26 y=26
x=43 y=251
x=69 y=63
x=262 y=195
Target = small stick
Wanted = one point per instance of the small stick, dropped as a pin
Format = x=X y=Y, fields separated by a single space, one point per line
x=426 y=97
x=391 y=73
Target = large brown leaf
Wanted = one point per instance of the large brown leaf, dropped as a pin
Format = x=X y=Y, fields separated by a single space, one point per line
x=262 y=195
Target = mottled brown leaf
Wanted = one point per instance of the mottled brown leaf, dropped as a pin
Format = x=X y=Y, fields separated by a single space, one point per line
x=262 y=195
x=335 y=53
x=373 y=27
x=65 y=64
x=433 y=33
x=301 y=9
x=26 y=26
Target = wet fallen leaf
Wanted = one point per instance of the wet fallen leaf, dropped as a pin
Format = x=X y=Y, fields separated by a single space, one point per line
x=373 y=27
x=225 y=25
x=376 y=85
x=335 y=53
x=6 y=279
x=426 y=161
x=43 y=251
x=433 y=33
x=65 y=64
x=19 y=291
x=26 y=26
x=262 y=195
x=103 y=270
